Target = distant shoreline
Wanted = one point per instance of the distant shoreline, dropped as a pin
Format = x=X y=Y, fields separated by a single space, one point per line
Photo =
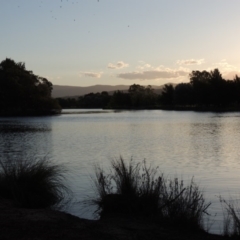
x=165 y=108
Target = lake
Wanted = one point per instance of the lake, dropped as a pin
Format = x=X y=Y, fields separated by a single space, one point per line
x=183 y=144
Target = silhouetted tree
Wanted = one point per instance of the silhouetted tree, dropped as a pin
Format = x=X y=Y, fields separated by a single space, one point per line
x=206 y=90
x=120 y=100
x=167 y=95
x=200 y=82
x=150 y=97
x=209 y=87
x=218 y=88
x=94 y=100
x=236 y=87
x=183 y=94
x=22 y=92
x=142 y=97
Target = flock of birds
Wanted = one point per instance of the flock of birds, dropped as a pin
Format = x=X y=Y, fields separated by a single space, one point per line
x=60 y=6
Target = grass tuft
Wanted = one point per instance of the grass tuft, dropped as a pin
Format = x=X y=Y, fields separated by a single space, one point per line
x=32 y=184
x=136 y=189
x=186 y=204
x=231 y=222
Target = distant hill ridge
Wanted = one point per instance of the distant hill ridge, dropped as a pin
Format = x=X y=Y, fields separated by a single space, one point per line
x=73 y=91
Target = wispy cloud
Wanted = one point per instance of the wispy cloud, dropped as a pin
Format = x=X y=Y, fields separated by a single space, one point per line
x=191 y=62
x=231 y=75
x=118 y=65
x=228 y=70
x=144 y=66
x=154 y=74
x=225 y=66
x=91 y=74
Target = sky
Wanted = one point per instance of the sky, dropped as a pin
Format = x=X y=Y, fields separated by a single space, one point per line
x=121 y=42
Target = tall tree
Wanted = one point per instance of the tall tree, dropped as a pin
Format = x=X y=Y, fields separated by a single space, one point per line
x=167 y=95
x=22 y=92
x=142 y=97
x=183 y=94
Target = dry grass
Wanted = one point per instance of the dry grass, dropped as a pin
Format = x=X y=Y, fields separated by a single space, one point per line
x=32 y=183
x=231 y=222
x=136 y=189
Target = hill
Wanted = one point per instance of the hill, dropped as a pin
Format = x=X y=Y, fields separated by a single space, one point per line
x=73 y=91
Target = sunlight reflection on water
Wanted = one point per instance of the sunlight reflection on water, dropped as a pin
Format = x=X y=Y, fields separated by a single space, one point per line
x=183 y=144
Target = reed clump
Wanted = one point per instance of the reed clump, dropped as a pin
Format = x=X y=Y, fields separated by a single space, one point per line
x=33 y=183
x=231 y=221
x=138 y=190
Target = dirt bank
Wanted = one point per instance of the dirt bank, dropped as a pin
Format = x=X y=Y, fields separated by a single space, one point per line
x=16 y=223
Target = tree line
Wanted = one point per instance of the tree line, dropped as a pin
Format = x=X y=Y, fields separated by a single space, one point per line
x=136 y=97
x=24 y=93
x=205 y=88
x=205 y=91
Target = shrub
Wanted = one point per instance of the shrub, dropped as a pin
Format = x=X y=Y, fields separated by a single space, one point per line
x=136 y=189
x=185 y=205
x=231 y=222
x=32 y=184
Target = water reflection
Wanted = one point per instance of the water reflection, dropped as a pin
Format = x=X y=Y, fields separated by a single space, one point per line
x=25 y=138
x=206 y=143
x=184 y=144
x=14 y=128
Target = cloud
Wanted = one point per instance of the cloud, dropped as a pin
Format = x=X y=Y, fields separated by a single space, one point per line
x=144 y=66
x=154 y=74
x=231 y=75
x=118 y=65
x=191 y=62
x=225 y=66
x=91 y=74
x=228 y=71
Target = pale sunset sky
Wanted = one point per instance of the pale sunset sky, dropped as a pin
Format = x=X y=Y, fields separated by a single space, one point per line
x=112 y=42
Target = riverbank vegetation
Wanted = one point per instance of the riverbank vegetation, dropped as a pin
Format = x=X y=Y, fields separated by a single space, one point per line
x=231 y=221
x=33 y=183
x=24 y=93
x=206 y=91
x=137 y=190
x=128 y=190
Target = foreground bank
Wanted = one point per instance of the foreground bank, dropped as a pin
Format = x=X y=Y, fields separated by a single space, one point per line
x=132 y=200
x=20 y=223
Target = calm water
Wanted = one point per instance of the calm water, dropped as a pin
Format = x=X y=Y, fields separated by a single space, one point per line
x=183 y=144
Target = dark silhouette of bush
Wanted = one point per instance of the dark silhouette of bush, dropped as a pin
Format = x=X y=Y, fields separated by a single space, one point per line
x=136 y=190
x=32 y=184
x=231 y=221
